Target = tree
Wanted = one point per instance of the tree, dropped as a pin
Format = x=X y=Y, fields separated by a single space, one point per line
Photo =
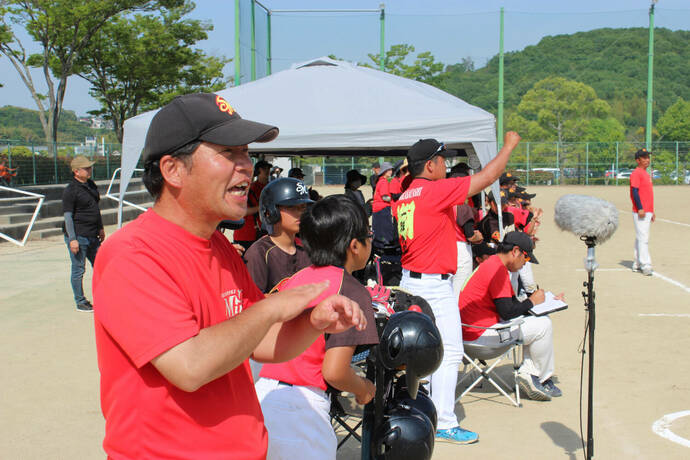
x=563 y=110
x=424 y=69
x=63 y=30
x=674 y=125
x=127 y=77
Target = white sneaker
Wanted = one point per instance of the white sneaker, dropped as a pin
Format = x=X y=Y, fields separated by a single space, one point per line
x=647 y=271
x=636 y=268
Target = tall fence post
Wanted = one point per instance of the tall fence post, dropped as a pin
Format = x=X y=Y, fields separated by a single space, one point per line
x=617 y=168
x=677 y=171
x=527 y=166
x=586 y=163
x=9 y=155
x=33 y=161
x=107 y=160
x=558 y=162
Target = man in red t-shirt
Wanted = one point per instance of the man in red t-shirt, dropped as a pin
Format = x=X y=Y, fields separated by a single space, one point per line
x=642 y=197
x=488 y=298
x=176 y=313
x=426 y=230
x=251 y=230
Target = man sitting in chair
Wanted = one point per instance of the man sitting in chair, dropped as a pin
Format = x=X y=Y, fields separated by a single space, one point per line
x=488 y=298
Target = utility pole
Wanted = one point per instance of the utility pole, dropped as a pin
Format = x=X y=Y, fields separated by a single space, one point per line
x=382 y=59
x=499 y=134
x=650 y=78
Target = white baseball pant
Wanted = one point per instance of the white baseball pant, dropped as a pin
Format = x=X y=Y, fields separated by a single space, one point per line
x=537 y=336
x=641 y=257
x=439 y=293
x=464 y=269
x=297 y=421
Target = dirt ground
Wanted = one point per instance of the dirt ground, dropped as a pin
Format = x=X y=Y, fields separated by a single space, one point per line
x=49 y=397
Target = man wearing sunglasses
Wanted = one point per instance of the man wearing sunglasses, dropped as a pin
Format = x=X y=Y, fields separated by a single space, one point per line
x=488 y=298
x=426 y=228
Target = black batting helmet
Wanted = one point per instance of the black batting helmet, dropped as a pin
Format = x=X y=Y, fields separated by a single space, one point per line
x=422 y=402
x=285 y=191
x=411 y=339
x=404 y=434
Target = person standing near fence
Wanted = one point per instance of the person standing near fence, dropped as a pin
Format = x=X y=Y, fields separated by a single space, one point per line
x=642 y=197
x=83 y=226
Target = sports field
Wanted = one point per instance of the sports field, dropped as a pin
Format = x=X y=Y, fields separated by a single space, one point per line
x=49 y=390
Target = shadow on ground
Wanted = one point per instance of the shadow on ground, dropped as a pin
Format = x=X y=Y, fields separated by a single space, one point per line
x=563 y=437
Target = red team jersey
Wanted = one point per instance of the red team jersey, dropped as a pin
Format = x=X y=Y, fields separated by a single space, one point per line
x=155 y=285
x=489 y=281
x=426 y=224
x=251 y=222
x=382 y=188
x=305 y=369
x=640 y=179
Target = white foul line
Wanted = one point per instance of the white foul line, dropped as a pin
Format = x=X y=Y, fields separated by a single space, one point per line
x=662 y=427
x=662 y=220
x=672 y=315
x=657 y=274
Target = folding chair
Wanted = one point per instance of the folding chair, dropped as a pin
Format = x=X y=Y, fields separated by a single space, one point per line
x=475 y=357
x=339 y=416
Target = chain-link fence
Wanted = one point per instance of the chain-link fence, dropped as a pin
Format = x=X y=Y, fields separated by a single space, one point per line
x=37 y=164
x=541 y=163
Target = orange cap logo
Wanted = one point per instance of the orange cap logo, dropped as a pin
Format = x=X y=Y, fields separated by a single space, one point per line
x=223 y=106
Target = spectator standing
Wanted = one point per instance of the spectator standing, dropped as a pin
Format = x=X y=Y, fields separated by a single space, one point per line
x=373 y=179
x=426 y=229
x=354 y=180
x=642 y=197
x=176 y=312
x=251 y=230
x=83 y=225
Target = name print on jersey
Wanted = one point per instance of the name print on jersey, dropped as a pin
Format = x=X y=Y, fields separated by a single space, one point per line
x=233 y=302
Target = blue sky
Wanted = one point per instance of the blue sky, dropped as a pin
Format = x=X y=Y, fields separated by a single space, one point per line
x=451 y=30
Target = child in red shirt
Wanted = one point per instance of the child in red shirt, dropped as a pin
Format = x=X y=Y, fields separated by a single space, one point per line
x=293 y=396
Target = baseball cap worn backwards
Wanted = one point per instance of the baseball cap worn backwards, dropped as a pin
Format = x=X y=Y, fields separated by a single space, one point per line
x=201 y=117
x=426 y=149
x=80 y=161
x=523 y=241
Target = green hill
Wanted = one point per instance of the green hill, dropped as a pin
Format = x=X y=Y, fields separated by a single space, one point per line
x=17 y=123
x=612 y=61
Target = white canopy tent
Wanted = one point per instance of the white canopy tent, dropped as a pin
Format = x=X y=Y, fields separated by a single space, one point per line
x=329 y=107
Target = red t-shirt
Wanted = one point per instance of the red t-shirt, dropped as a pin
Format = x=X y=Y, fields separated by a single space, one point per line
x=156 y=285
x=462 y=214
x=640 y=179
x=489 y=281
x=520 y=216
x=251 y=222
x=426 y=223
x=305 y=369
x=382 y=188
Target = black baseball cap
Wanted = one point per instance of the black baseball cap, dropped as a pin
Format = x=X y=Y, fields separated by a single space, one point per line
x=426 y=149
x=261 y=164
x=201 y=117
x=296 y=172
x=521 y=240
x=483 y=249
x=507 y=178
x=642 y=153
x=504 y=197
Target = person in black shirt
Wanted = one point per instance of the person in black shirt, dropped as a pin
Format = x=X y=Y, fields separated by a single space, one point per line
x=83 y=227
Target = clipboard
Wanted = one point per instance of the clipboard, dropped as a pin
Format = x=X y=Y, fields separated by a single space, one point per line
x=550 y=305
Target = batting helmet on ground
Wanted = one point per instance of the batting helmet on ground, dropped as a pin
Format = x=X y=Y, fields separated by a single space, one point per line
x=404 y=434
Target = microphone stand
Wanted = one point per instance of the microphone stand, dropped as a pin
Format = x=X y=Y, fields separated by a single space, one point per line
x=590 y=266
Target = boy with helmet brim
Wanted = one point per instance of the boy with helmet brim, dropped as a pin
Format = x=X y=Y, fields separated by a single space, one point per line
x=426 y=230
x=293 y=395
x=276 y=256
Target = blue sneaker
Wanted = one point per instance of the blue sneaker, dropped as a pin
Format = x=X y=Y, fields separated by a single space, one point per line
x=533 y=388
x=553 y=390
x=457 y=435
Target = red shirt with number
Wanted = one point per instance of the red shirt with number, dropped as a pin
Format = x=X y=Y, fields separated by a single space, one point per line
x=155 y=285
x=248 y=232
x=489 y=281
x=641 y=180
x=426 y=223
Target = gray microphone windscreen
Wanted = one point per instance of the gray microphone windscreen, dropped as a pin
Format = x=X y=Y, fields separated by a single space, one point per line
x=586 y=216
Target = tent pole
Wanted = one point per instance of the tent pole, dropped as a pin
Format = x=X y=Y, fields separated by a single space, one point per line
x=500 y=84
x=237 y=42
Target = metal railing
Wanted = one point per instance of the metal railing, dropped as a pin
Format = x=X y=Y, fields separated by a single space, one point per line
x=29 y=196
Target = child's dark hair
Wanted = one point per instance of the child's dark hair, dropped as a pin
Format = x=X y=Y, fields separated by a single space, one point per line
x=328 y=226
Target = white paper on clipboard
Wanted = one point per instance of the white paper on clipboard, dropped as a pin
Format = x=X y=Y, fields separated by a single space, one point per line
x=549 y=305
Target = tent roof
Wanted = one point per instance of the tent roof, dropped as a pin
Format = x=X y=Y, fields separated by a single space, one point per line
x=324 y=104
